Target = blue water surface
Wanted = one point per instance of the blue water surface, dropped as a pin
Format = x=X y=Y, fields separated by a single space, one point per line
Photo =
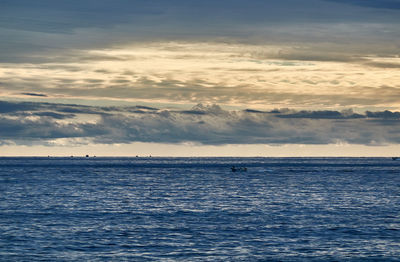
x=197 y=209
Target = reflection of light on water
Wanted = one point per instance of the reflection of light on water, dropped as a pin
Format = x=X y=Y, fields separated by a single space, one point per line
x=195 y=208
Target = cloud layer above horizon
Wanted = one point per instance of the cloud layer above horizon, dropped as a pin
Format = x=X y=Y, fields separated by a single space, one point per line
x=27 y=123
x=236 y=75
x=82 y=67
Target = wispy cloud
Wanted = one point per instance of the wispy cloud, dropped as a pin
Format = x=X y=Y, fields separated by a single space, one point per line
x=239 y=75
x=35 y=30
x=385 y=4
x=34 y=94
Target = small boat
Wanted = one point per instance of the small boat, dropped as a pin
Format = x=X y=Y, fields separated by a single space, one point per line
x=238 y=169
x=395 y=158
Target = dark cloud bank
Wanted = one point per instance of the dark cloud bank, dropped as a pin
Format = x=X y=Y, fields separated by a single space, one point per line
x=33 y=123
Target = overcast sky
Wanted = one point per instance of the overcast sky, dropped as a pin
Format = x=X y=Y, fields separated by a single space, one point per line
x=196 y=77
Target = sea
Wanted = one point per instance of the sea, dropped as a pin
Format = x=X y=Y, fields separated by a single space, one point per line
x=197 y=209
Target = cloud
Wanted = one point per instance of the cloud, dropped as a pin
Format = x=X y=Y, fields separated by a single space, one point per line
x=325 y=114
x=34 y=94
x=383 y=64
x=64 y=16
x=12 y=107
x=38 y=30
x=383 y=115
x=298 y=90
x=240 y=75
x=335 y=53
x=53 y=115
x=42 y=129
x=28 y=123
x=385 y=4
x=308 y=55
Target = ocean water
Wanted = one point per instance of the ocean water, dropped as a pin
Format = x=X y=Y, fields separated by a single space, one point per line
x=197 y=209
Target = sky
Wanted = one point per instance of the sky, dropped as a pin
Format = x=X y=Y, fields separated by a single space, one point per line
x=200 y=78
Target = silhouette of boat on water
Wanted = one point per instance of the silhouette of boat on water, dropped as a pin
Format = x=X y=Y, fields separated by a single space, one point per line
x=238 y=169
x=395 y=158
